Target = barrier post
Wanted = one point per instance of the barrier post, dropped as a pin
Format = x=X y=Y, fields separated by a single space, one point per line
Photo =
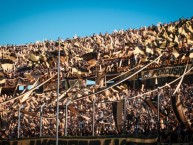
x=66 y=116
x=19 y=117
x=124 y=113
x=158 y=117
x=93 y=117
x=41 y=113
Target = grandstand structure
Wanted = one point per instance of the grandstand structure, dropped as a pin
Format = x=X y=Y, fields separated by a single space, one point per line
x=143 y=84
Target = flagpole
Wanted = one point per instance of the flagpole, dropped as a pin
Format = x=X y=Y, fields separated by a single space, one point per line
x=58 y=89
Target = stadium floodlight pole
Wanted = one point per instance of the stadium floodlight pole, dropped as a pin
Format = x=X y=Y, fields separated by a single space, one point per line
x=66 y=116
x=19 y=117
x=93 y=116
x=58 y=90
x=41 y=113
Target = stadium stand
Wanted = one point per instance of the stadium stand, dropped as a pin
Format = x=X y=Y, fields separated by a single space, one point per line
x=136 y=66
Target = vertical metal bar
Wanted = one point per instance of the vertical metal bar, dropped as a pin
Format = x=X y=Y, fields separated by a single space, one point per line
x=40 y=121
x=19 y=117
x=93 y=117
x=58 y=89
x=41 y=113
x=18 y=126
x=66 y=118
x=158 y=115
x=124 y=111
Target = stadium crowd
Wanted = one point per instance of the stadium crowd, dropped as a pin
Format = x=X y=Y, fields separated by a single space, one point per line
x=140 y=120
x=85 y=57
x=82 y=56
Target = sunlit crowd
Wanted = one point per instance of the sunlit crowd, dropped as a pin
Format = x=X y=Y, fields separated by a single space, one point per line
x=88 y=57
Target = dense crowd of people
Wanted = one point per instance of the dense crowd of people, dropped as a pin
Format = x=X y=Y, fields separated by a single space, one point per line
x=82 y=56
x=86 y=57
x=140 y=119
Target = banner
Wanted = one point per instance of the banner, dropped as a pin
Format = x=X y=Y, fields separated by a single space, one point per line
x=165 y=72
x=117 y=114
x=115 y=140
x=176 y=143
x=179 y=110
x=83 y=141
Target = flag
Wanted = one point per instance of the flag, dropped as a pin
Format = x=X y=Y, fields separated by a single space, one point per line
x=138 y=51
x=33 y=57
x=2 y=81
x=163 y=44
x=7 y=66
x=189 y=27
x=117 y=114
x=191 y=55
x=175 y=53
x=176 y=39
x=148 y=50
x=179 y=109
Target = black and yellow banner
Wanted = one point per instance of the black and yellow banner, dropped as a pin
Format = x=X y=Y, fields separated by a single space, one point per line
x=83 y=141
x=165 y=72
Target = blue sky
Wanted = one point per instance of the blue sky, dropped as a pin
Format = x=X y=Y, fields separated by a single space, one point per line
x=27 y=21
